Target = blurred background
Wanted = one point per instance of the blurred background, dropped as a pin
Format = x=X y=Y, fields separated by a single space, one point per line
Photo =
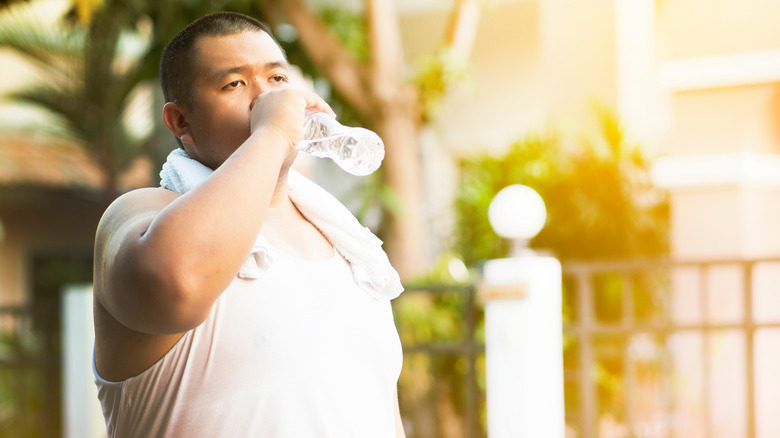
x=648 y=127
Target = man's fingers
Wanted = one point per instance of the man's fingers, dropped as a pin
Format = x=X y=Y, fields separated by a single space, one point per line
x=315 y=102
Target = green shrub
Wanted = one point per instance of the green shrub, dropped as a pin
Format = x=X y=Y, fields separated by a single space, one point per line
x=597 y=190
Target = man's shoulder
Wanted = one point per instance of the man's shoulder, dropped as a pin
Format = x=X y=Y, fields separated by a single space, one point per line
x=143 y=197
x=134 y=204
x=140 y=200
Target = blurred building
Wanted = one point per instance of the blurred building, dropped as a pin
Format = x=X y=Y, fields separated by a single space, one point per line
x=50 y=204
x=696 y=82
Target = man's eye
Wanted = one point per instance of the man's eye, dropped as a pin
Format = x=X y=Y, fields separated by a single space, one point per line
x=234 y=84
x=279 y=78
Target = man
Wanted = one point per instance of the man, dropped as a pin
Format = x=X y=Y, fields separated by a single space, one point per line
x=221 y=310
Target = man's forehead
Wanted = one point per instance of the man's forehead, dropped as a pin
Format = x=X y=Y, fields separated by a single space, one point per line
x=216 y=53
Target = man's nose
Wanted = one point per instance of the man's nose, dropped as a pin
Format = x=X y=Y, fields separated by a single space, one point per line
x=258 y=88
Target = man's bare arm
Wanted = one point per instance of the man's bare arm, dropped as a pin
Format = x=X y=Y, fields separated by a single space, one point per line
x=162 y=260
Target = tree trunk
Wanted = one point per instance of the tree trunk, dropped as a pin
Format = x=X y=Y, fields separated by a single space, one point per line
x=405 y=237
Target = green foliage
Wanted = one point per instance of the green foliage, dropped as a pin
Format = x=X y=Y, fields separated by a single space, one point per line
x=350 y=27
x=434 y=76
x=20 y=385
x=425 y=318
x=597 y=190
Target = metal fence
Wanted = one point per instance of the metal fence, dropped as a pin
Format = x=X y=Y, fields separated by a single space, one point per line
x=646 y=299
x=613 y=310
x=446 y=346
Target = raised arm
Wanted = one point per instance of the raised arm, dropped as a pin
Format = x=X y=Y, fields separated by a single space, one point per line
x=161 y=260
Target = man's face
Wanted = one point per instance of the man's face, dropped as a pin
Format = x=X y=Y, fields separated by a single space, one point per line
x=230 y=72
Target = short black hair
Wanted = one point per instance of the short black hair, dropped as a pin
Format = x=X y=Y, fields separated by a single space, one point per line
x=176 y=72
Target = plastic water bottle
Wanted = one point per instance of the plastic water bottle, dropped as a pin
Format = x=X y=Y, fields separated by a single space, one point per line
x=356 y=150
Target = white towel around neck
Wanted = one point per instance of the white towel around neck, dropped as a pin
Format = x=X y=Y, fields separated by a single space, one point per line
x=356 y=243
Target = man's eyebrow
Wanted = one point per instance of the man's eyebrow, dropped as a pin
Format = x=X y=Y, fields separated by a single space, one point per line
x=242 y=68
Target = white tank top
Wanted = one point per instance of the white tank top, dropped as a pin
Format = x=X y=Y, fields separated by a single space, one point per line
x=300 y=352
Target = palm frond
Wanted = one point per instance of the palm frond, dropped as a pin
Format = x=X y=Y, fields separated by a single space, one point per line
x=45 y=43
x=60 y=103
x=88 y=77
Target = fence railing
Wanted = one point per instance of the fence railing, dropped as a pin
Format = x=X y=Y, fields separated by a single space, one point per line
x=448 y=399
x=657 y=303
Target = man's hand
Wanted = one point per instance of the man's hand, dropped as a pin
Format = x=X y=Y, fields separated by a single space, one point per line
x=284 y=110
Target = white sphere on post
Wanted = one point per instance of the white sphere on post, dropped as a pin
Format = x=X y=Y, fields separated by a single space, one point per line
x=517 y=213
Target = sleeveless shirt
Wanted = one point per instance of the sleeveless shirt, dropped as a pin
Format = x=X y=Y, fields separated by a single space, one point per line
x=300 y=352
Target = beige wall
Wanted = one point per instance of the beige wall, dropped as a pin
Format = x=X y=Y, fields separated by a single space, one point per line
x=733 y=119
x=539 y=61
x=578 y=50
x=500 y=99
x=533 y=63
x=727 y=221
x=693 y=28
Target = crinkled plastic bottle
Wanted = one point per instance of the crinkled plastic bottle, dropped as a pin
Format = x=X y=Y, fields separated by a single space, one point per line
x=356 y=150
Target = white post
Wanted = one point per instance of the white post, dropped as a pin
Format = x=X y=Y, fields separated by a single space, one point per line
x=81 y=411
x=523 y=325
x=524 y=347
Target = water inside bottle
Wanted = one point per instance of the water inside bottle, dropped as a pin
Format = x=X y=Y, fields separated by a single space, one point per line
x=356 y=150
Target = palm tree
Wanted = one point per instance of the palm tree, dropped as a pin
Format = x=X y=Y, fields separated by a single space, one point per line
x=84 y=79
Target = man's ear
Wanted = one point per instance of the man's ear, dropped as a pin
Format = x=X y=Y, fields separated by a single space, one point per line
x=177 y=120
